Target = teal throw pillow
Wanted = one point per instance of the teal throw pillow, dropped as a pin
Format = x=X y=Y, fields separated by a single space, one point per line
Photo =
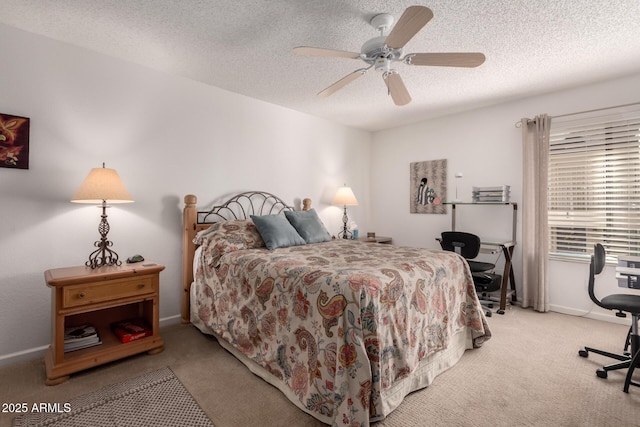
x=276 y=231
x=308 y=225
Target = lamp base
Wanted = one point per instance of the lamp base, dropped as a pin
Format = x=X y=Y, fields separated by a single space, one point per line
x=346 y=234
x=103 y=256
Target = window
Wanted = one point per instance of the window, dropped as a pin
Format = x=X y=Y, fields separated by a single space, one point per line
x=594 y=183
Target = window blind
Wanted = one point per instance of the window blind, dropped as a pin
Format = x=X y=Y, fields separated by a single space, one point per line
x=594 y=182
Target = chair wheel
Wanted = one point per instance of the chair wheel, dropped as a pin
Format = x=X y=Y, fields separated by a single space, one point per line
x=601 y=373
x=500 y=312
x=490 y=305
x=583 y=353
x=488 y=314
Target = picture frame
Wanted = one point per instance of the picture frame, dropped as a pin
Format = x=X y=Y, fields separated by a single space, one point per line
x=428 y=187
x=14 y=141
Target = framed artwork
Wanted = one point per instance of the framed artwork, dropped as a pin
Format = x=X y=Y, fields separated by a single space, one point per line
x=14 y=141
x=428 y=187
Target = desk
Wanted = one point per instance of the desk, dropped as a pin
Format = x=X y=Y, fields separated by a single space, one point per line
x=507 y=273
x=492 y=247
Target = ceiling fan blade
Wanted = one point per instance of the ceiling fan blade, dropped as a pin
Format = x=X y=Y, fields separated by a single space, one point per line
x=453 y=59
x=397 y=89
x=342 y=83
x=317 y=51
x=411 y=21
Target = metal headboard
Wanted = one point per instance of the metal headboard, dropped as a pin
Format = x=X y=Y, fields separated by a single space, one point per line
x=243 y=205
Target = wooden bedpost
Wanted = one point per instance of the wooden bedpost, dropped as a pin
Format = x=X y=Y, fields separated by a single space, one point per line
x=306 y=204
x=189 y=221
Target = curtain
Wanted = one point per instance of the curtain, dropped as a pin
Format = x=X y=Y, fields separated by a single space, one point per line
x=535 y=229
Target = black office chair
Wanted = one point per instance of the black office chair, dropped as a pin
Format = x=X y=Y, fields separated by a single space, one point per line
x=622 y=303
x=468 y=246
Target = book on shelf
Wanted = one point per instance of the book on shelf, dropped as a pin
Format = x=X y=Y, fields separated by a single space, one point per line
x=77 y=333
x=80 y=345
x=82 y=336
x=131 y=329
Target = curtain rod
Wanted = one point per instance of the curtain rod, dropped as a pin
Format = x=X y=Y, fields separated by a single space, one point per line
x=519 y=123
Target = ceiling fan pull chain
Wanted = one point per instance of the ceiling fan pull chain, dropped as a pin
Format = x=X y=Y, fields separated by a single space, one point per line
x=384 y=77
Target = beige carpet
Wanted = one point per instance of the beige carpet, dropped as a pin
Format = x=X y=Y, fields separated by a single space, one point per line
x=528 y=374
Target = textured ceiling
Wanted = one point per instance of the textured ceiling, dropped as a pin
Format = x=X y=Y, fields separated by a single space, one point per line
x=245 y=46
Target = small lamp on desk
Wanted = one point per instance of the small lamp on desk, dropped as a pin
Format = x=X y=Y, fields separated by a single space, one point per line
x=102 y=185
x=458 y=176
x=345 y=197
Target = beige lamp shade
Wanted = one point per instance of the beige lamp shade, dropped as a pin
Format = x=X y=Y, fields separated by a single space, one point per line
x=102 y=184
x=345 y=197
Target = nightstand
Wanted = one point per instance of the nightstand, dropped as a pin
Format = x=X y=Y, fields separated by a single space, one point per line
x=377 y=239
x=100 y=297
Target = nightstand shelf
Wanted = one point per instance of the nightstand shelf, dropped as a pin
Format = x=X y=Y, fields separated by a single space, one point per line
x=101 y=297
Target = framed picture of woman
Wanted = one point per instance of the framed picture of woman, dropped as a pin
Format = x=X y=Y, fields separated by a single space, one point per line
x=428 y=187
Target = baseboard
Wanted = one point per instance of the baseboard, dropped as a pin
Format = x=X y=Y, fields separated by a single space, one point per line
x=37 y=352
x=22 y=356
x=171 y=320
x=611 y=318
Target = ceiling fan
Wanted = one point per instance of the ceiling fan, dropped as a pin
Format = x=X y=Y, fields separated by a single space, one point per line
x=383 y=52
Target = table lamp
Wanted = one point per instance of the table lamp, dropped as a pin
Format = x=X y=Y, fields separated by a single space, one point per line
x=102 y=186
x=345 y=197
x=458 y=176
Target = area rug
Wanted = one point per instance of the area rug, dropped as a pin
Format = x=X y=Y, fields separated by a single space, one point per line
x=154 y=399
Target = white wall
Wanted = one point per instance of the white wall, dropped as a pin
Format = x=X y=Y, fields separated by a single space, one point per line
x=485 y=146
x=166 y=137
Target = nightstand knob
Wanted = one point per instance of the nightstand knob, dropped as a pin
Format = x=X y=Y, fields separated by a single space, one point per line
x=81 y=295
x=141 y=285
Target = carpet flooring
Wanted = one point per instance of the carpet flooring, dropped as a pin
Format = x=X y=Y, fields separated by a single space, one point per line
x=528 y=374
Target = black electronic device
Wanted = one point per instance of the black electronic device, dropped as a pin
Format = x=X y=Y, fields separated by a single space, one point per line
x=135 y=258
x=628 y=271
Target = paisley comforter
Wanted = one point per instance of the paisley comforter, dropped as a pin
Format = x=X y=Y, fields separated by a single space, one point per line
x=337 y=323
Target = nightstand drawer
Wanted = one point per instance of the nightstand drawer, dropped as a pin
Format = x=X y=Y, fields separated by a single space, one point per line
x=77 y=295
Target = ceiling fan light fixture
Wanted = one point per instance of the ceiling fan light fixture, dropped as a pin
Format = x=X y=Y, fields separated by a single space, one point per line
x=383 y=65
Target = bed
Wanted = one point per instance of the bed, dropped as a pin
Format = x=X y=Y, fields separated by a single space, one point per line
x=345 y=329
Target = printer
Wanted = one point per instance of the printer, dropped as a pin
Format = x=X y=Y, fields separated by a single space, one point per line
x=628 y=271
